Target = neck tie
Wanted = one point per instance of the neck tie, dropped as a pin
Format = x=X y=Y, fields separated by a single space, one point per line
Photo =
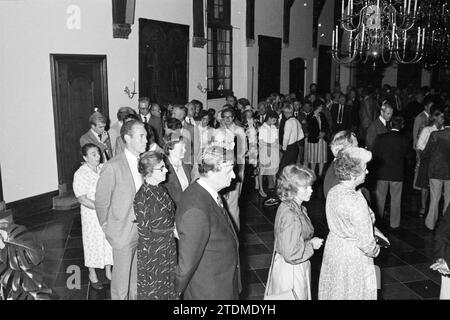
x=145 y=119
x=100 y=137
x=388 y=125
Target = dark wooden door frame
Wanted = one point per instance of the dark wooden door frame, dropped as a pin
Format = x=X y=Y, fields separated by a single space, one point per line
x=54 y=59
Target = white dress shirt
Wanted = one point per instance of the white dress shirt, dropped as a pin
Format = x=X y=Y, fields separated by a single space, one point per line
x=133 y=163
x=292 y=132
x=382 y=120
x=177 y=165
x=143 y=118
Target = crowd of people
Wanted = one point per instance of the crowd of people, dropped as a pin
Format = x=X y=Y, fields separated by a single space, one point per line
x=159 y=191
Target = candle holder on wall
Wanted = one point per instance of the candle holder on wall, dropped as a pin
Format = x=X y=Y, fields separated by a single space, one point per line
x=131 y=93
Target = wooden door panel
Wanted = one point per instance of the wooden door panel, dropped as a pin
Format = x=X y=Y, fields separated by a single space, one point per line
x=163 y=61
x=269 y=65
x=79 y=84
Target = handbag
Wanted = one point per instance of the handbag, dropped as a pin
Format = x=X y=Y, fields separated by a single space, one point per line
x=285 y=295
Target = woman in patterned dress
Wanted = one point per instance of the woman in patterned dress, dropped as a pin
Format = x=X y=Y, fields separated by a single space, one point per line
x=97 y=250
x=155 y=216
x=348 y=271
x=294 y=241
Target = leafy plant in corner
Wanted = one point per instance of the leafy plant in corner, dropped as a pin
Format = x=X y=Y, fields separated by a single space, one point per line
x=20 y=259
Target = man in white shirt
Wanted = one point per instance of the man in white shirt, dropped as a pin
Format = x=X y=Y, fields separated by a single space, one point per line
x=232 y=138
x=118 y=183
x=292 y=134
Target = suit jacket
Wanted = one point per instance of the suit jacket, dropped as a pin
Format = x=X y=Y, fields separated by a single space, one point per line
x=420 y=122
x=437 y=153
x=314 y=130
x=173 y=184
x=442 y=238
x=155 y=123
x=346 y=118
x=114 y=198
x=89 y=137
x=377 y=127
x=208 y=253
x=389 y=152
x=114 y=134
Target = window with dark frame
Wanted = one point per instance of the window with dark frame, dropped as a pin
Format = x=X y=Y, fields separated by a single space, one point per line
x=219 y=49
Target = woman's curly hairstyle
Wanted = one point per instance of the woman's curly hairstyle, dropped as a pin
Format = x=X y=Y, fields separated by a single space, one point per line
x=291 y=179
x=347 y=167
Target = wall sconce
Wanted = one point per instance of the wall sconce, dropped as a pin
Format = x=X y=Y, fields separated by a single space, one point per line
x=128 y=92
x=200 y=87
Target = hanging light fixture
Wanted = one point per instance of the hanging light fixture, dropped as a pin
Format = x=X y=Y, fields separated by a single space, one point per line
x=378 y=30
x=434 y=16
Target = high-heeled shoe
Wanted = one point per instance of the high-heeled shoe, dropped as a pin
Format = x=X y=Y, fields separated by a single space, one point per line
x=96 y=285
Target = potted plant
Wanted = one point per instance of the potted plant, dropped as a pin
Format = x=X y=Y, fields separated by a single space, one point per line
x=20 y=259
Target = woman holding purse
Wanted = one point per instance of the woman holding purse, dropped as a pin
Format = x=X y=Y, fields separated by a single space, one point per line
x=290 y=271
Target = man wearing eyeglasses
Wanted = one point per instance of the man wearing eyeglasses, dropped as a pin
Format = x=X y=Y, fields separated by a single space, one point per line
x=208 y=247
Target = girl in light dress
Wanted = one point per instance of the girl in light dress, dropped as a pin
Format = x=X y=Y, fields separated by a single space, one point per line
x=269 y=150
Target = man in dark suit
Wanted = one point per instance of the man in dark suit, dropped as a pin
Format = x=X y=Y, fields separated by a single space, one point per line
x=341 y=115
x=156 y=123
x=380 y=125
x=208 y=255
x=437 y=152
x=98 y=136
x=144 y=109
x=261 y=114
x=389 y=152
x=118 y=183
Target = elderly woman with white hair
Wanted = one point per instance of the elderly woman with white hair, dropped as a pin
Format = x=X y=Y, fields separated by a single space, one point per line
x=348 y=271
x=295 y=243
x=341 y=140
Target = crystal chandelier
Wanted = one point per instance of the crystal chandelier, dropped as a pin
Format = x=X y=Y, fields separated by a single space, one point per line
x=378 y=30
x=434 y=16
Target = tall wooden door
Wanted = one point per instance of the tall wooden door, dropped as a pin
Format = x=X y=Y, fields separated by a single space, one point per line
x=79 y=84
x=269 y=66
x=324 y=69
x=163 y=61
x=297 y=75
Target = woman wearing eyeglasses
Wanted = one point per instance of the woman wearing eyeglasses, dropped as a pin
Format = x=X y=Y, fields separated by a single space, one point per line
x=155 y=217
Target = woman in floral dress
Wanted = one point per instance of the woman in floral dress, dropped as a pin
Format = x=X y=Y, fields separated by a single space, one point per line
x=348 y=271
x=155 y=216
x=97 y=250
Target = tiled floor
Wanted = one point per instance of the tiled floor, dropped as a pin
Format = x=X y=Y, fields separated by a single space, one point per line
x=405 y=272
